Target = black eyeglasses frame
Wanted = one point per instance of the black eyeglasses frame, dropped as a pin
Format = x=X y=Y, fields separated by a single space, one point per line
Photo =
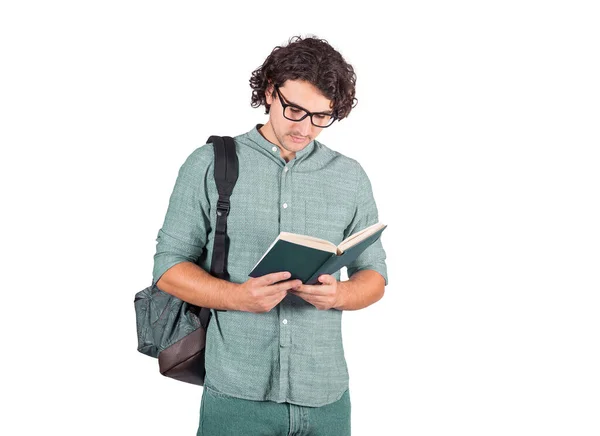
x=285 y=104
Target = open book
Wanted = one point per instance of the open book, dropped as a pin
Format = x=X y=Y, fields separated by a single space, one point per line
x=307 y=257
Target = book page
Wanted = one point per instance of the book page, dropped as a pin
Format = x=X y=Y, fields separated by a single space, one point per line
x=308 y=241
x=354 y=239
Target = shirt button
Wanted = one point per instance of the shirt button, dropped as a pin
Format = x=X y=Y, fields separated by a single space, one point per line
x=285 y=205
x=274 y=149
x=285 y=321
x=286 y=169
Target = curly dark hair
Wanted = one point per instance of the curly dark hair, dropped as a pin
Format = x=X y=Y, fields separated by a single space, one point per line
x=313 y=60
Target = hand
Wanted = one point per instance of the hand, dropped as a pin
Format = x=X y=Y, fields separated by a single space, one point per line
x=261 y=294
x=324 y=296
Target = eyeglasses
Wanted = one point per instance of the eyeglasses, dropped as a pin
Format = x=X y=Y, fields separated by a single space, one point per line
x=296 y=113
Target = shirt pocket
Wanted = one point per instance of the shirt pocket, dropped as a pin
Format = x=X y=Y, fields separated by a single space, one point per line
x=325 y=221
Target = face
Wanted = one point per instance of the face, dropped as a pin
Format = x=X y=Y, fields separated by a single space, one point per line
x=292 y=136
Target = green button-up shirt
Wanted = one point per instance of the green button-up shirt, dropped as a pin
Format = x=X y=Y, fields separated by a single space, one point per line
x=294 y=352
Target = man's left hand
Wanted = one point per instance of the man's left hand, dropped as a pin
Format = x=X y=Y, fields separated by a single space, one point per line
x=324 y=296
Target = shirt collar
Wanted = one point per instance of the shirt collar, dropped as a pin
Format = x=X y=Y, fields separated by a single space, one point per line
x=258 y=138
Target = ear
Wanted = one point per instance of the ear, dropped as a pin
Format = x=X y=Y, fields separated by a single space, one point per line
x=269 y=93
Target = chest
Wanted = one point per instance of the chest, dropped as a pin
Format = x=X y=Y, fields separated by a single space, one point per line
x=267 y=199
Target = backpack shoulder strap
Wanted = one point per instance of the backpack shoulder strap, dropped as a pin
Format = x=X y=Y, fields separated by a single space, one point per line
x=226 y=168
x=226 y=175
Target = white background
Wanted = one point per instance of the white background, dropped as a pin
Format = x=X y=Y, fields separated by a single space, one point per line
x=477 y=123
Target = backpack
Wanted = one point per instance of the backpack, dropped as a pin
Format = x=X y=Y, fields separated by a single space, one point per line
x=173 y=330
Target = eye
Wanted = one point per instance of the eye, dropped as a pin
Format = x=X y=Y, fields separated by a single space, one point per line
x=294 y=110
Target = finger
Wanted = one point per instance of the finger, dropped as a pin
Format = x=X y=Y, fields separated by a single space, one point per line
x=312 y=289
x=303 y=292
x=269 y=279
x=311 y=298
x=326 y=279
x=278 y=297
x=290 y=284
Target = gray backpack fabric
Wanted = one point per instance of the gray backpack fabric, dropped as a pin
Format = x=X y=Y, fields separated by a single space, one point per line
x=173 y=330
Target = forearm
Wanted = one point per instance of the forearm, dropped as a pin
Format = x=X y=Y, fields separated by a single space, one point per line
x=188 y=282
x=361 y=290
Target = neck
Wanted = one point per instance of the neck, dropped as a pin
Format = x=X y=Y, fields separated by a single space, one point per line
x=267 y=132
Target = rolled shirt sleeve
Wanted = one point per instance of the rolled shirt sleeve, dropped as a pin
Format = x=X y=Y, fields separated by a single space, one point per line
x=183 y=235
x=365 y=215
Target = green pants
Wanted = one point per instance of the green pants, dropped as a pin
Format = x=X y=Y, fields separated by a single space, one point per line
x=222 y=415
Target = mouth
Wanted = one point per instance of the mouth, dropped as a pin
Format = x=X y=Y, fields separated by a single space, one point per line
x=297 y=139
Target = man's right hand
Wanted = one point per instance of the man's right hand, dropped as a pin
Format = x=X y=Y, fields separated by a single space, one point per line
x=261 y=294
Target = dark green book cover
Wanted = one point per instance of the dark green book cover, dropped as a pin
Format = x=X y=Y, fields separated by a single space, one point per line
x=308 y=263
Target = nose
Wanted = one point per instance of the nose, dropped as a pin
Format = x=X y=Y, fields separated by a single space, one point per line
x=304 y=126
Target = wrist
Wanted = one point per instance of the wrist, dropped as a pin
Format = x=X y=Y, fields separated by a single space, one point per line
x=342 y=289
x=232 y=296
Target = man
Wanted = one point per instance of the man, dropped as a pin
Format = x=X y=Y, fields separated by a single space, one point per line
x=274 y=355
